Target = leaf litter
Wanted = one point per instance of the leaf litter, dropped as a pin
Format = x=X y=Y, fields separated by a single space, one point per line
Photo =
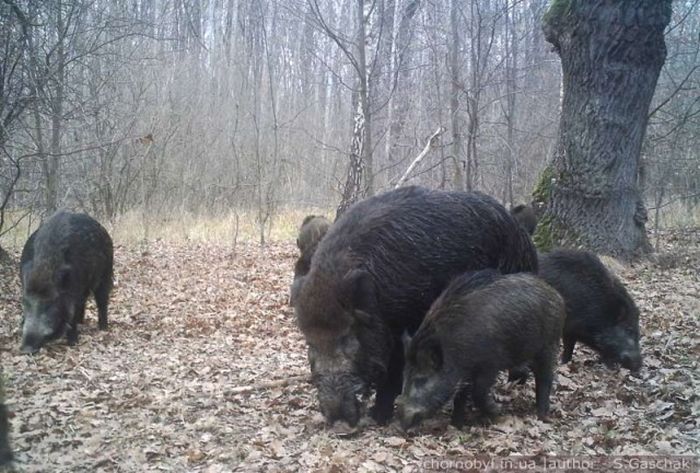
x=203 y=369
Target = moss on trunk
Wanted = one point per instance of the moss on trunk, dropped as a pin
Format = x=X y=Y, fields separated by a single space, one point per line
x=556 y=11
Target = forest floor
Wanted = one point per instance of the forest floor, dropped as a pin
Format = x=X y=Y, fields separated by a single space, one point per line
x=196 y=330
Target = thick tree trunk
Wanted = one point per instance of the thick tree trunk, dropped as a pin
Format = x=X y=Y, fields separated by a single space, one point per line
x=611 y=53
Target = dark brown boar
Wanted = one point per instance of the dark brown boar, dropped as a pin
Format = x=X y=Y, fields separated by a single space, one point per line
x=483 y=323
x=525 y=215
x=600 y=313
x=312 y=230
x=68 y=258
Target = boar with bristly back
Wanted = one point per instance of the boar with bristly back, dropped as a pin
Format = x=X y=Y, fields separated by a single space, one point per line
x=374 y=276
x=66 y=260
x=600 y=312
x=483 y=323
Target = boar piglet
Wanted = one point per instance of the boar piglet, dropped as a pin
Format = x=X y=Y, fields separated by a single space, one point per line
x=482 y=323
x=599 y=311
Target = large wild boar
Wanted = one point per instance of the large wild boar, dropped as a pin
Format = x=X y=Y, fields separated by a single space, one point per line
x=374 y=276
x=68 y=258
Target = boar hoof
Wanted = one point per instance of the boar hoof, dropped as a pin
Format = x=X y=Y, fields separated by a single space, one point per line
x=72 y=336
x=381 y=414
x=457 y=421
x=489 y=413
x=518 y=375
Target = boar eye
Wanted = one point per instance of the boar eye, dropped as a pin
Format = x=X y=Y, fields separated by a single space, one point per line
x=312 y=358
x=419 y=382
x=349 y=344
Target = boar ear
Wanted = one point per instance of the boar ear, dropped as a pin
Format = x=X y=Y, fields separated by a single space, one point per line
x=406 y=342
x=622 y=310
x=430 y=356
x=363 y=318
x=621 y=314
x=357 y=291
x=296 y=289
x=63 y=277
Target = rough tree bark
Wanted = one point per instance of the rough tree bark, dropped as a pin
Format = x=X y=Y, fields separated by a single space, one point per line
x=611 y=53
x=354 y=189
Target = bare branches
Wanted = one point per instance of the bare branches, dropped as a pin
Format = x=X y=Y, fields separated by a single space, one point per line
x=342 y=43
x=432 y=141
x=265 y=105
x=678 y=88
x=9 y=189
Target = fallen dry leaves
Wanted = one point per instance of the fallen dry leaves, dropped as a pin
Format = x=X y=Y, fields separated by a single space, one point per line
x=186 y=378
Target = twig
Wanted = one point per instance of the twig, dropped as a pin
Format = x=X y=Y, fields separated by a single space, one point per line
x=673 y=201
x=428 y=146
x=278 y=383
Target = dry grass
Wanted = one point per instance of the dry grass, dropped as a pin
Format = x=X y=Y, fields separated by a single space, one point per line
x=242 y=226
x=226 y=228
x=676 y=215
x=229 y=228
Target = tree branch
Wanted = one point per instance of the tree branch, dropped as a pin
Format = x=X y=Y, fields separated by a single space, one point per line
x=428 y=146
x=278 y=383
x=678 y=89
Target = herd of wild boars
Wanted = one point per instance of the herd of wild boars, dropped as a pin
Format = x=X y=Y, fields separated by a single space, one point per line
x=374 y=276
x=429 y=294
x=420 y=296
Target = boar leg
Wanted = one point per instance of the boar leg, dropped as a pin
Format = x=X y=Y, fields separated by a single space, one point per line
x=459 y=406
x=568 y=351
x=481 y=393
x=72 y=325
x=79 y=317
x=102 y=301
x=389 y=388
x=72 y=333
x=543 y=368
